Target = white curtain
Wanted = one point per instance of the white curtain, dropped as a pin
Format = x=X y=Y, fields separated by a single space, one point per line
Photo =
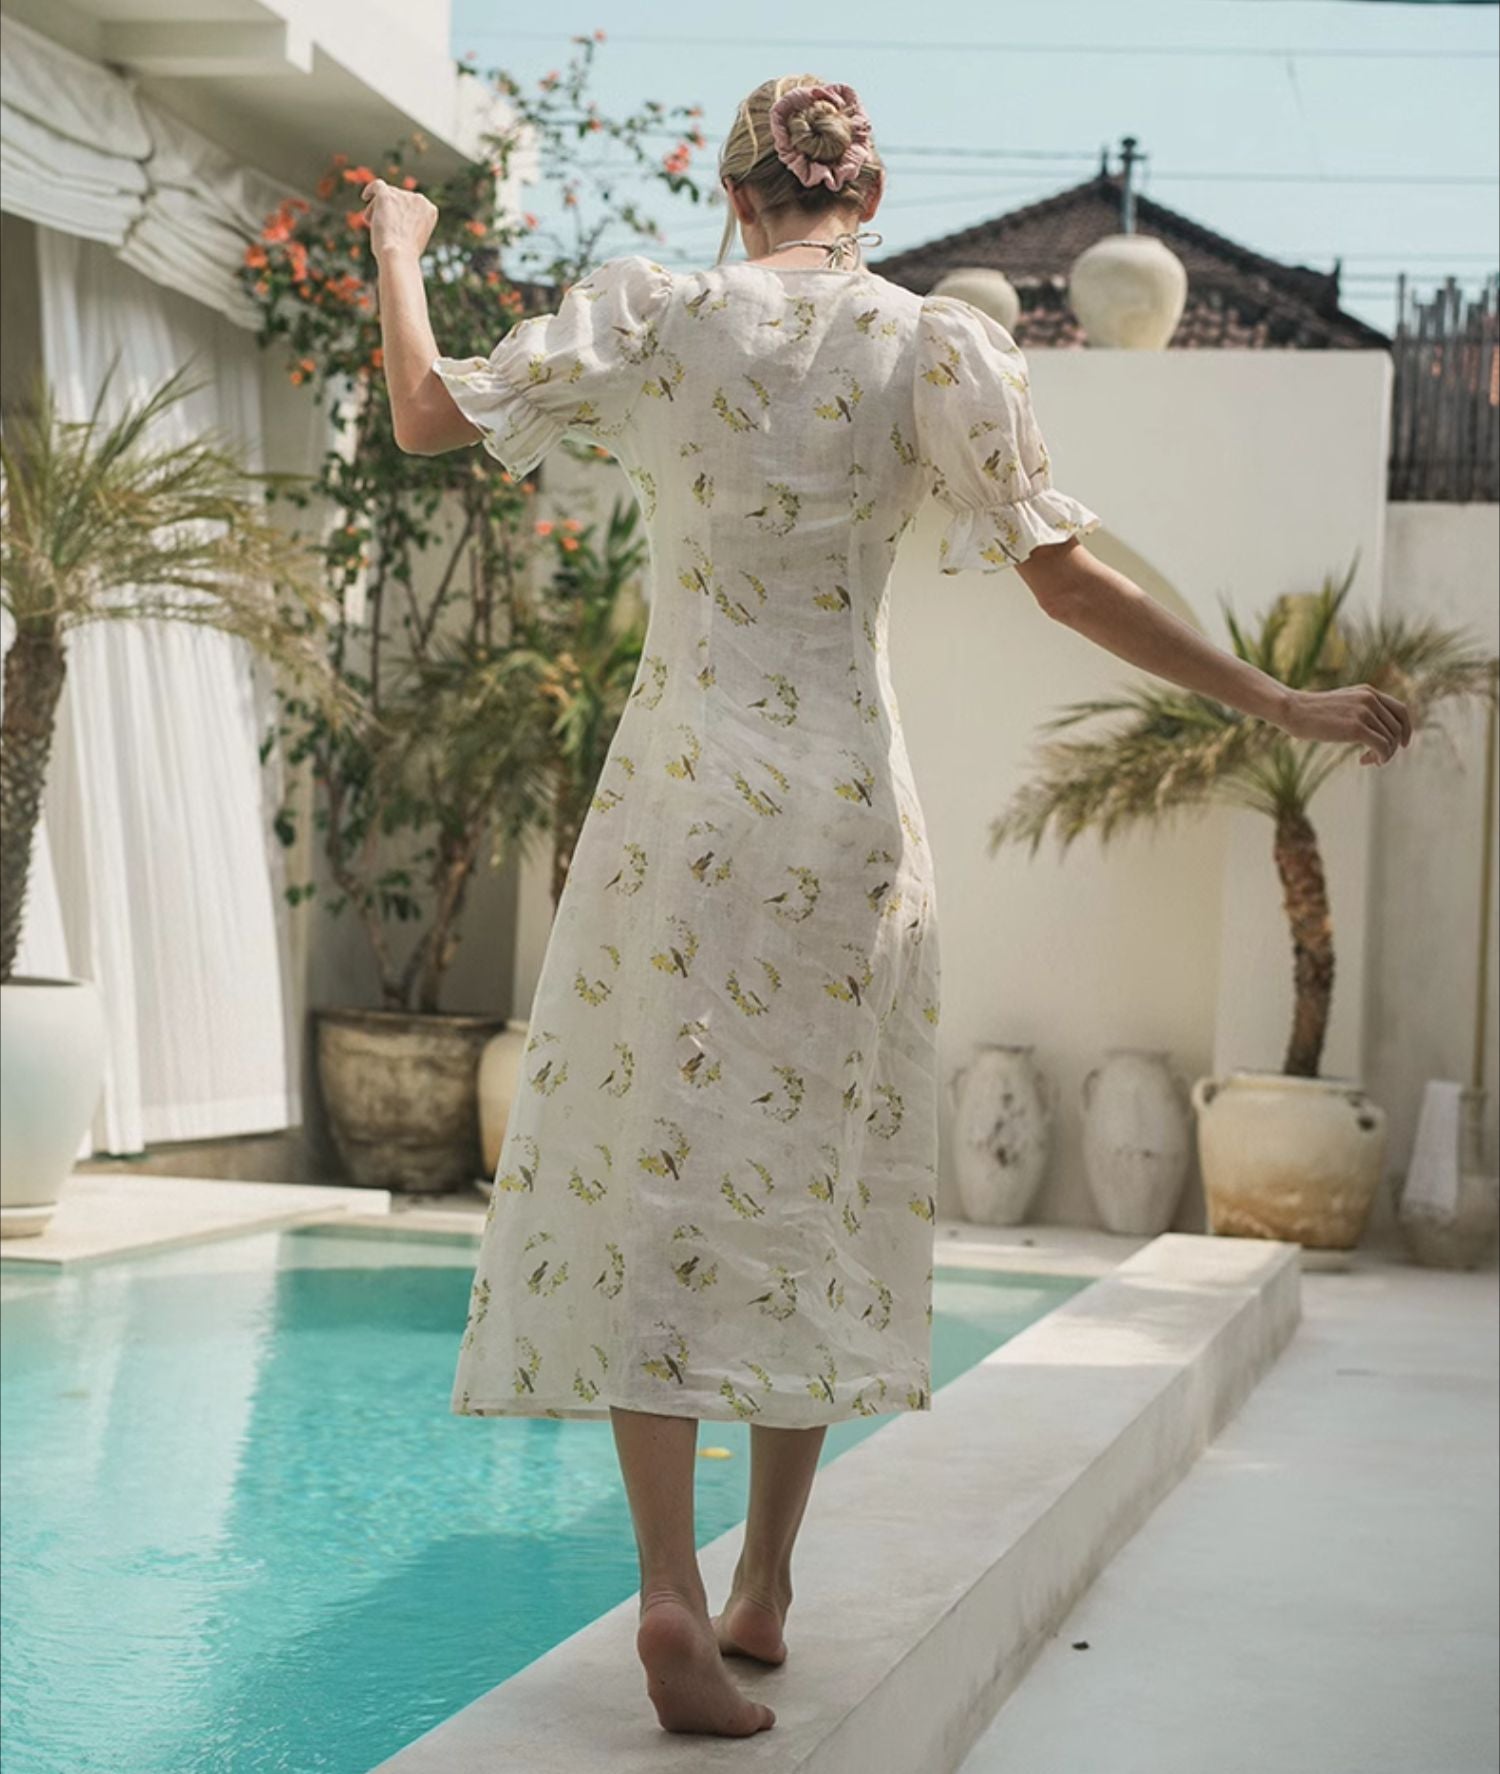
x=167 y=879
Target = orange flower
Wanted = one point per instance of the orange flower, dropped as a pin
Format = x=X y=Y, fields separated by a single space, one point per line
x=528 y=486
x=262 y=288
x=297 y=376
x=528 y=218
x=327 y=185
x=255 y=257
x=570 y=543
x=275 y=232
x=357 y=218
x=507 y=477
x=543 y=527
x=377 y=359
x=297 y=204
x=306 y=365
x=598 y=36
x=410 y=182
x=475 y=228
x=358 y=175
x=571 y=523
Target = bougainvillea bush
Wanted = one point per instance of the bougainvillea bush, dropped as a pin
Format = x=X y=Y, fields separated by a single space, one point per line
x=461 y=610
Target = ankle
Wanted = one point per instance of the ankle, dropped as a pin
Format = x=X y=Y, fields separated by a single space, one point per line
x=689 y=1593
x=770 y=1584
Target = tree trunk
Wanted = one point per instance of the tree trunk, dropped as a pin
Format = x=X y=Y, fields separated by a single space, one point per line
x=34 y=670
x=1306 y=900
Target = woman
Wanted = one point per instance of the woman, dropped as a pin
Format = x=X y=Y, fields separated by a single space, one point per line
x=716 y=1193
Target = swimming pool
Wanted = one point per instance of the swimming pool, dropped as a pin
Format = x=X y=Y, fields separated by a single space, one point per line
x=243 y=1534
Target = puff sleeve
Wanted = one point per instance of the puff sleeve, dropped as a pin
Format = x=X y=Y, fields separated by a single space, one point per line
x=978 y=437
x=577 y=372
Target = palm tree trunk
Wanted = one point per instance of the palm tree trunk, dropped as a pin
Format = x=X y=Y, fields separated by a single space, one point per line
x=34 y=670
x=1306 y=900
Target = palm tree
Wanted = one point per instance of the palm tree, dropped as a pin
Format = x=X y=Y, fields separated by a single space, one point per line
x=102 y=521
x=1175 y=750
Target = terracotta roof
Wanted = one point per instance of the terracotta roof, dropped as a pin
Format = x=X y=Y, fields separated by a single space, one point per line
x=1236 y=297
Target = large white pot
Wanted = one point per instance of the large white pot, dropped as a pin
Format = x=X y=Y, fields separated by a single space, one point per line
x=1002 y=1132
x=991 y=291
x=1290 y=1158
x=1129 y=291
x=51 y=1071
x=1137 y=1140
x=499 y=1079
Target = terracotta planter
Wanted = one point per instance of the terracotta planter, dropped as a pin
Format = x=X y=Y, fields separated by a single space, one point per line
x=1002 y=1132
x=499 y=1078
x=1297 y=1159
x=51 y=1069
x=1137 y=1140
x=402 y=1096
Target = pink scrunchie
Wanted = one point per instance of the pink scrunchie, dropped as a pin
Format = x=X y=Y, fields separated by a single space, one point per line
x=834 y=174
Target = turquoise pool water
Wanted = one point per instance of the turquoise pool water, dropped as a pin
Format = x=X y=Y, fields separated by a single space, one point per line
x=242 y=1533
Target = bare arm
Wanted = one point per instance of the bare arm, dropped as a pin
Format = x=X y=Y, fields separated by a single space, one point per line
x=423 y=413
x=1077 y=589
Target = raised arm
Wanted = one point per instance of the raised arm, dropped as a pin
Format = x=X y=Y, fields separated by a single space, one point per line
x=423 y=413
x=1077 y=589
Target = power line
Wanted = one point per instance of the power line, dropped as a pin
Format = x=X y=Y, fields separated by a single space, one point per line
x=908 y=46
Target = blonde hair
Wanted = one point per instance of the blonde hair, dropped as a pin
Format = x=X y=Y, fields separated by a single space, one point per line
x=748 y=157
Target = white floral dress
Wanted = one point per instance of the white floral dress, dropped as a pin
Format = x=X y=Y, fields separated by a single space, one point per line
x=715 y=1196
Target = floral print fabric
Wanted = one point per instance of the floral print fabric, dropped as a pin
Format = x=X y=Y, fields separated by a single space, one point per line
x=716 y=1192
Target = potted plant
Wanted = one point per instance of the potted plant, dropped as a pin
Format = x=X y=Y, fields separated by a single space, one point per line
x=1289 y=1154
x=104 y=521
x=439 y=568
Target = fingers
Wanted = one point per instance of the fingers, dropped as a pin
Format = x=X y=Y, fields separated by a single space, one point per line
x=1401 y=712
x=368 y=194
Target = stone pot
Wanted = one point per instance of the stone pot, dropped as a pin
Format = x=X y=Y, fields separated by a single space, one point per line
x=984 y=288
x=1002 y=1132
x=51 y=1071
x=1129 y=291
x=1290 y=1158
x=1137 y=1140
x=499 y=1077
x=402 y=1094
x=1459 y=1234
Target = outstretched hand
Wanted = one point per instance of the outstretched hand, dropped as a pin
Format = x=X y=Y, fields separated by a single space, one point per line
x=399 y=221
x=1360 y=714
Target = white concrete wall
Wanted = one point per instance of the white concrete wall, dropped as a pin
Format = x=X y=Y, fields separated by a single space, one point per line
x=1442 y=564
x=1234 y=475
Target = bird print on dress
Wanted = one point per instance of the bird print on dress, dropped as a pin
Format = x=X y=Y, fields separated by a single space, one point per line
x=717 y=1188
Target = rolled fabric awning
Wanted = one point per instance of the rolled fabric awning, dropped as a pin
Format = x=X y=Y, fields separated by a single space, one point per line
x=83 y=152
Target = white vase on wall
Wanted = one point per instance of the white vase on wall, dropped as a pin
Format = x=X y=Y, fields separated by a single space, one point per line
x=986 y=289
x=1137 y=1140
x=1002 y=1132
x=1129 y=291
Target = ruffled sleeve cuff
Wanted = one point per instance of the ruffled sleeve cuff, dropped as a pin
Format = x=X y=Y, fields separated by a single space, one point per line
x=514 y=429
x=994 y=537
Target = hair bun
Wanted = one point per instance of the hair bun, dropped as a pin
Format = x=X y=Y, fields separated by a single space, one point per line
x=822 y=133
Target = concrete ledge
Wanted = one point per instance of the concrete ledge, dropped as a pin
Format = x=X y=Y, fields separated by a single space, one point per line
x=101 y=1216
x=937 y=1554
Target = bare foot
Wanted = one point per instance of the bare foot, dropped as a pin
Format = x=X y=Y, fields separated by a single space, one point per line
x=750 y=1626
x=685 y=1674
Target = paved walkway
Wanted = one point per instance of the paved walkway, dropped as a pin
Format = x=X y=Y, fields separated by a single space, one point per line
x=1319 y=1594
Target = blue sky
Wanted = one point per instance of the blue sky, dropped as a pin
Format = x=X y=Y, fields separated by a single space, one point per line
x=1379 y=142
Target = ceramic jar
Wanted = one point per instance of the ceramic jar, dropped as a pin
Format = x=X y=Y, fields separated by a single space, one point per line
x=1002 y=1132
x=1137 y=1140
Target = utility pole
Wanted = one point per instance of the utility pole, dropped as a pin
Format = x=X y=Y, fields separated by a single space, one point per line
x=1129 y=160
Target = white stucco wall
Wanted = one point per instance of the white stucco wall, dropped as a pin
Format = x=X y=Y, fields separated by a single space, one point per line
x=1442 y=564
x=1220 y=475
